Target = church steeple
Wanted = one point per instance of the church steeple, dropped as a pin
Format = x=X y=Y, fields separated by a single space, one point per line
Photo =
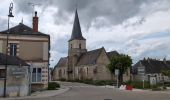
x=76 y=45
x=76 y=32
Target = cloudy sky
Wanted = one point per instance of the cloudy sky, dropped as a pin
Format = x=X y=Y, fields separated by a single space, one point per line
x=139 y=28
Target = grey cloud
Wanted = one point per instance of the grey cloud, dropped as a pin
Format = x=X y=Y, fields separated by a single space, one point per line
x=60 y=45
x=149 y=36
x=3 y=23
x=115 y=11
x=138 y=22
x=157 y=51
x=25 y=6
x=162 y=34
x=62 y=19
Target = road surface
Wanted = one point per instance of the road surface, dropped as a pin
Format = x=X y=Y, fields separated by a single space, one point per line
x=86 y=92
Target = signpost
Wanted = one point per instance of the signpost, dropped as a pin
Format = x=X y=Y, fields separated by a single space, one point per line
x=18 y=72
x=143 y=83
x=117 y=74
x=141 y=71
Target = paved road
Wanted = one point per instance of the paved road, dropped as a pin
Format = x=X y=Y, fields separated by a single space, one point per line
x=85 y=92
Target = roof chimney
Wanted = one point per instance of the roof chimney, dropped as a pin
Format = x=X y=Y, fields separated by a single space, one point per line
x=35 y=23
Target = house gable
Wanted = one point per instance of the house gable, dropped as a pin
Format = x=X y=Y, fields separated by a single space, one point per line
x=103 y=72
x=102 y=58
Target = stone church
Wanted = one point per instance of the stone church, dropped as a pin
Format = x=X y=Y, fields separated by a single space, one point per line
x=83 y=64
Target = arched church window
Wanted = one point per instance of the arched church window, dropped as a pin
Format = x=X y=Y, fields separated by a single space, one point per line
x=79 y=46
x=71 y=46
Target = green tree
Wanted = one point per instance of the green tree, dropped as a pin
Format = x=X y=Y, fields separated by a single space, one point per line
x=121 y=62
x=165 y=72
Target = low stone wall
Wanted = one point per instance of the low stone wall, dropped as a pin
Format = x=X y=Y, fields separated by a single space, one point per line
x=17 y=83
x=15 y=91
x=37 y=87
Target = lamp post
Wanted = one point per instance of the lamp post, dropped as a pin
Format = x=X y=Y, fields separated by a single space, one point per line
x=10 y=15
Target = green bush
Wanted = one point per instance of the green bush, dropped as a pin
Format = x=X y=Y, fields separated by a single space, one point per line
x=111 y=83
x=154 y=86
x=164 y=88
x=76 y=80
x=53 y=85
x=62 y=79
x=167 y=84
x=94 y=82
x=99 y=83
x=88 y=81
x=156 y=89
x=138 y=84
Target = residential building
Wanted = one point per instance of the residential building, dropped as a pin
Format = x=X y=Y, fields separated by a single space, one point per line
x=18 y=76
x=31 y=46
x=150 y=70
x=83 y=64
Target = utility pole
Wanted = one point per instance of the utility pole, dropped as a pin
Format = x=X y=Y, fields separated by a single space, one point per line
x=10 y=15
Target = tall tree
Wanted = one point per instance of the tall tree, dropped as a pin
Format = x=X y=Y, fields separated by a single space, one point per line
x=165 y=72
x=121 y=62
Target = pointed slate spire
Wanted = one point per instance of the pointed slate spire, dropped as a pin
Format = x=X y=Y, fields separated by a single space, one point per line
x=76 y=32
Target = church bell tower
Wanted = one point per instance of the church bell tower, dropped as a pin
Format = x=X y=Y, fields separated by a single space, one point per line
x=76 y=46
x=77 y=43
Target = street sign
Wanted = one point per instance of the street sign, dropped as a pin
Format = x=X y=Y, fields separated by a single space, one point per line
x=116 y=71
x=18 y=72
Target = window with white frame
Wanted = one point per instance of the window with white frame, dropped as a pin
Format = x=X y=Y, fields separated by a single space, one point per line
x=13 y=49
x=36 y=75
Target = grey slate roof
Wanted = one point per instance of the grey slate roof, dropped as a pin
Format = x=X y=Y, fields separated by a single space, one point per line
x=152 y=66
x=76 y=32
x=12 y=60
x=89 y=57
x=112 y=53
x=62 y=62
x=22 y=29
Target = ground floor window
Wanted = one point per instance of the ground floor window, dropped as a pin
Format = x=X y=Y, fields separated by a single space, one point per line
x=87 y=71
x=2 y=73
x=36 y=75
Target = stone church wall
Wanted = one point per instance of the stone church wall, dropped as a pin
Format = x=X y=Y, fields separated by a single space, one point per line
x=103 y=72
x=59 y=73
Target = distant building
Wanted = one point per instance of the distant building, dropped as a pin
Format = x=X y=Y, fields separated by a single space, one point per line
x=31 y=46
x=18 y=76
x=82 y=64
x=150 y=70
